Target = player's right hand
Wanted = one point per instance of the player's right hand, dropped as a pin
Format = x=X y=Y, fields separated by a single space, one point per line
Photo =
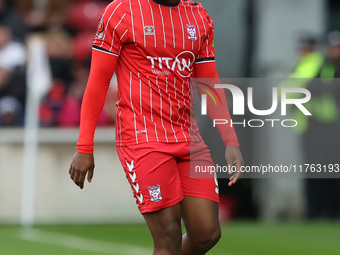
x=82 y=164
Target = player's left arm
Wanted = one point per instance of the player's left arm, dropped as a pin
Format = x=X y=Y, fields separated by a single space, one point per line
x=208 y=73
x=205 y=67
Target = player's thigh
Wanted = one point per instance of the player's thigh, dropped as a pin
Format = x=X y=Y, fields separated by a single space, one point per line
x=200 y=217
x=153 y=177
x=165 y=226
x=200 y=203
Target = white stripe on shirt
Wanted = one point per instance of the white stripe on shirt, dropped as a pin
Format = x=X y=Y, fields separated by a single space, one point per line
x=160 y=9
x=133 y=110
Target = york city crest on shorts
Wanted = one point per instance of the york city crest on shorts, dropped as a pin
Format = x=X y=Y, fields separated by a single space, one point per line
x=155 y=193
x=192 y=32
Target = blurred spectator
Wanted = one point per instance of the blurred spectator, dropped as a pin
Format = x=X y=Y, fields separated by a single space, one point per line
x=83 y=18
x=34 y=18
x=333 y=53
x=84 y=14
x=4 y=78
x=321 y=131
x=69 y=115
x=12 y=53
x=309 y=58
x=10 y=18
x=10 y=111
x=82 y=45
x=59 y=51
x=68 y=27
x=322 y=136
x=12 y=84
x=57 y=12
x=51 y=104
x=307 y=67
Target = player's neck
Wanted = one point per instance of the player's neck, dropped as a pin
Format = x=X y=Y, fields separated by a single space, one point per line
x=168 y=2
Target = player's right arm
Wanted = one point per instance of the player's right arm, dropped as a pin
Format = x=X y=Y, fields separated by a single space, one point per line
x=102 y=69
x=107 y=45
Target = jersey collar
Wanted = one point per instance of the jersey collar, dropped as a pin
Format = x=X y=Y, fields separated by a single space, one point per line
x=162 y=2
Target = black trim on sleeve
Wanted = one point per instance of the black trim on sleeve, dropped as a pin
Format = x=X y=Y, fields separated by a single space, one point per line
x=167 y=4
x=95 y=47
x=205 y=60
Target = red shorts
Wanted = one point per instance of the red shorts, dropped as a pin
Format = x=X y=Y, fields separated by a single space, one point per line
x=159 y=173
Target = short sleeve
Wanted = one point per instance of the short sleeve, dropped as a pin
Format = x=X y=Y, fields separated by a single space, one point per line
x=111 y=29
x=207 y=52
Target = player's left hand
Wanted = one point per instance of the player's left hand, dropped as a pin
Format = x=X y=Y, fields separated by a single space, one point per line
x=234 y=158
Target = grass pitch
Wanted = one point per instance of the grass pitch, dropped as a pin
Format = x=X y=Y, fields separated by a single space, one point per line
x=239 y=238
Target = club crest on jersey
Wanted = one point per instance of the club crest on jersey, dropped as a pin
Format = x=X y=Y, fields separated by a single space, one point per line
x=149 y=30
x=155 y=193
x=100 y=29
x=192 y=32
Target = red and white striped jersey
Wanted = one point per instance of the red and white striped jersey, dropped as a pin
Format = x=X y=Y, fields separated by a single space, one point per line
x=158 y=47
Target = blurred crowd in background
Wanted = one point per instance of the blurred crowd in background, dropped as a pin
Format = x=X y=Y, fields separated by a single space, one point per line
x=320 y=132
x=68 y=27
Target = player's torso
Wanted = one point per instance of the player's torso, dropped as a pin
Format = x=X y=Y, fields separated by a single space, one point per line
x=164 y=41
x=156 y=62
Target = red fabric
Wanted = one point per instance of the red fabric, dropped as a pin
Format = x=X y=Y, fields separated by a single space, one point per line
x=102 y=69
x=209 y=75
x=157 y=47
x=161 y=174
x=154 y=69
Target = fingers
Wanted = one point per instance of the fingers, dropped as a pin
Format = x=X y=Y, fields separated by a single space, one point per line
x=230 y=165
x=90 y=175
x=74 y=175
x=233 y=179
x=234 y=159
x=81 y=179
x=231 y=182
x=72 y=172
x=229 y=160
x=82 y=164
x=78 y=176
